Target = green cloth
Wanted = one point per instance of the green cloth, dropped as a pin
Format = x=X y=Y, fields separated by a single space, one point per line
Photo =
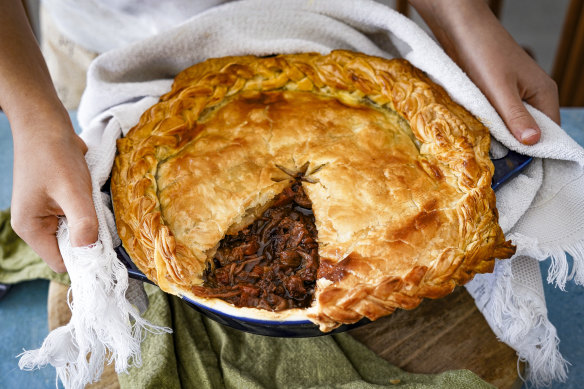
x=201 y=353
x=18 y=262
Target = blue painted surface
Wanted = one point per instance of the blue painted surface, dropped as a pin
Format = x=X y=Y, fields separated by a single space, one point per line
x=573 y=123
x=6 y=156
x=23 y=323
x=23 y=312
x=566 y=312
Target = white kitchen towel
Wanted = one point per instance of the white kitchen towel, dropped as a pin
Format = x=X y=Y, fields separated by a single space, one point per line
x=542 y=210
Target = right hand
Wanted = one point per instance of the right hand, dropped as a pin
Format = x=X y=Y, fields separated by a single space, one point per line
x=51 y=179
x=473 y=37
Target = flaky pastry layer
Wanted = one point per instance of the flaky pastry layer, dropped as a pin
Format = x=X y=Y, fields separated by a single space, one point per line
x=398 y=174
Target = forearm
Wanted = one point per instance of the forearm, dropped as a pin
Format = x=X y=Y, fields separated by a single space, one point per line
x=27 y=95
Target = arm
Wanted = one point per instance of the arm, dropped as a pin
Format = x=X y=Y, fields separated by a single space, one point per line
x=473 y=37
x=51 y=177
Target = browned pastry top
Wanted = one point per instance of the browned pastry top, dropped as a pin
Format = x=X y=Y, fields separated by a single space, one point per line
x=398 y=176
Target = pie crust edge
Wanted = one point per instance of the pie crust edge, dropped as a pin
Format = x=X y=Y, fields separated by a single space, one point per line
x=450 y=132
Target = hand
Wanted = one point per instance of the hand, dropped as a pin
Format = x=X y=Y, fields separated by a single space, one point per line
x=51 y=179
x=505 y=73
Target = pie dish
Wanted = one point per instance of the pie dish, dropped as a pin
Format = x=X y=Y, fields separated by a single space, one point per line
x=323 y=187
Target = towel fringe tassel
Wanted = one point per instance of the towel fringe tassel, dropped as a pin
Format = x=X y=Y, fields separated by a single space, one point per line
x=104 y=325
x=523 y=324
x=559 y=269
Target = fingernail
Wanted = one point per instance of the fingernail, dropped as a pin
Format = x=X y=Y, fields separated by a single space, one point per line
x=527 y=134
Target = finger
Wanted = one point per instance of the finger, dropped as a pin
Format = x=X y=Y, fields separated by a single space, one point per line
x=521 y=124
x=40 y=235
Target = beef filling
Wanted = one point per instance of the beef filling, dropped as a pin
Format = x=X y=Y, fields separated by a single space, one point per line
x=271 y=264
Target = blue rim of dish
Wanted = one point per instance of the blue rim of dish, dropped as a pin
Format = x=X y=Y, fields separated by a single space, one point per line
x=288 y=328
x=505 y=169
x=508 y=167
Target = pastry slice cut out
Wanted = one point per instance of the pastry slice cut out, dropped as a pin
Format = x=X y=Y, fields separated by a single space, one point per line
x=271 y=264
x=398 y=176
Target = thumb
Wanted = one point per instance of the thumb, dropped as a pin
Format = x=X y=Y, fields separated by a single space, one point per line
x=521 y=124
x=81 y=219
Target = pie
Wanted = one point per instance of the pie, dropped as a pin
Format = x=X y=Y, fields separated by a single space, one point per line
x=328 y=187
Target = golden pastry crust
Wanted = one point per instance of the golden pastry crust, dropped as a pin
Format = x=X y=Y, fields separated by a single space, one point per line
x=399 y=177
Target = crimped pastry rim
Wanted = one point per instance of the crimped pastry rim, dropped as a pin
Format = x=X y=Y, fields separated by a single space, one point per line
x=303 y=71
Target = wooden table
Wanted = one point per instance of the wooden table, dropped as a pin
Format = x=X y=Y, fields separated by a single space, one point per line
x=440 y=335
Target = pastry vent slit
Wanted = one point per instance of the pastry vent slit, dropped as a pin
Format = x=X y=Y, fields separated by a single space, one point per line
x=301 y=173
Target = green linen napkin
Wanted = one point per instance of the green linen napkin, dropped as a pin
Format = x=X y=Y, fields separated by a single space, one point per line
x=201 y=353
